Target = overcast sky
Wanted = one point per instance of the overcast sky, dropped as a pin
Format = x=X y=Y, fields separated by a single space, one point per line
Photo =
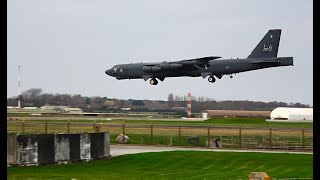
x=65 y=46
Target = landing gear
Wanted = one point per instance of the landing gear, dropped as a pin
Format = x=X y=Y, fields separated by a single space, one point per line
x=211 y=79
x=153 y=81
x=231 y=76
x=219 y=76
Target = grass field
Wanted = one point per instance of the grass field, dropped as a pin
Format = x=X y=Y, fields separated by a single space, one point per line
x=176 y=165
x=245 y=122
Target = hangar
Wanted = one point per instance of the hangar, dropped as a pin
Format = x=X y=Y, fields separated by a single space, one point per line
x=234 y=113
x=291 y=113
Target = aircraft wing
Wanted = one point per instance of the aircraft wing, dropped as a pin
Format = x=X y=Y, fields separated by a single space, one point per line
x=198 y=61
x=176 y=65
x=208 y=58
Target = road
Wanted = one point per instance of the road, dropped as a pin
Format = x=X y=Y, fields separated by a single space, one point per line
x=117 y=150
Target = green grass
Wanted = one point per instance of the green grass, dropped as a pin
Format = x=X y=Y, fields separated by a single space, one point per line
x=235 y=122
x=255 y=122
x=176 y=165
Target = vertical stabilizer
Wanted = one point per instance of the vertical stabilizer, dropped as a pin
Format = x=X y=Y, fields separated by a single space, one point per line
x=268 y=46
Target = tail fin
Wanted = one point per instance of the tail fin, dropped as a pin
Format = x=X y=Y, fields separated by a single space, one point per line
x=268 y=46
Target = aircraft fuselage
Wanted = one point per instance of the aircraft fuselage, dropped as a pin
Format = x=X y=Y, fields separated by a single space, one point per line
x=264 y=55
x=215 y=67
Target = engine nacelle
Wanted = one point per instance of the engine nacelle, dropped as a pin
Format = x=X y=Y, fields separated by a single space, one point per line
x=161 y=67
x=169 y=66
x=151 y=69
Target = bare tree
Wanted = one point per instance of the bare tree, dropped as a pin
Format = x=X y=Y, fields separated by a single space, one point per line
x=31 y=93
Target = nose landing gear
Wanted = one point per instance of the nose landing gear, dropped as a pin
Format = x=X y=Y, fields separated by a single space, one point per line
x=211 y=79
x=153 y=81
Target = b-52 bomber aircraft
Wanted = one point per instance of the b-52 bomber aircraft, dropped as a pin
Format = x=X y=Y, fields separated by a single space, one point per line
x=263 y=56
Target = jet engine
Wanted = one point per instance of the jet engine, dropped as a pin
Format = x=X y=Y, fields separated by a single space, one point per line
x=169 y=66
x=161 y=67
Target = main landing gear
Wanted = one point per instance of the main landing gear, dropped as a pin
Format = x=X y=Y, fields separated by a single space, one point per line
x=211 y=79
x=153 y=81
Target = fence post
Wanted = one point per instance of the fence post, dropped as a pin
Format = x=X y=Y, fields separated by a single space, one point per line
x=23 y=126
x=209 y=137
x=124 y=128
x=179 y=135
x=302 y=140
x=68 y=127
x=151 y=132
x=270 y=138
x=94 y=124
x=240 y=137
x=46 y=127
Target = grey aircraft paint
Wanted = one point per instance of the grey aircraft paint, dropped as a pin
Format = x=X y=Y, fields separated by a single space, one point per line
x=263 y=56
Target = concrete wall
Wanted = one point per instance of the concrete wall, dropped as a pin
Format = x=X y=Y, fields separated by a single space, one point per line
x=97 y=141
x=85 y=146
x=62 y=148
x=27 y=151
x=106 y=144
x=53 y=148
x=74 y=147
x=11 y=149
x=46 y=148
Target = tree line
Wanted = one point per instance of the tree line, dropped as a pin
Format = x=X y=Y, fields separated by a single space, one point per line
x=35 y=98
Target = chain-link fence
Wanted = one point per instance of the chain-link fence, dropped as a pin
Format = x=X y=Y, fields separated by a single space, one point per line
x=181 y=135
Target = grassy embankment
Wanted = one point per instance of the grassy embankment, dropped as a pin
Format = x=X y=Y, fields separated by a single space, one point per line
x=176 y=165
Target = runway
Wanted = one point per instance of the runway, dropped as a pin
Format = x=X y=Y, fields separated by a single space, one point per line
x=117 y=150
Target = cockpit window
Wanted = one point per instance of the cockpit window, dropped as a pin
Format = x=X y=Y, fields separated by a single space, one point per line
x=115 y=68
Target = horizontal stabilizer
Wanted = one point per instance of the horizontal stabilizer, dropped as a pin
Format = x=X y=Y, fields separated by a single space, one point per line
x=264 y=61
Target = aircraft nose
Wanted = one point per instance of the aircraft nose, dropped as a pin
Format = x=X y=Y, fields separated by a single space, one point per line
x=108 y=71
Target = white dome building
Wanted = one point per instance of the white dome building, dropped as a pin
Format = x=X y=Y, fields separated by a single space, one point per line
x=290 y=113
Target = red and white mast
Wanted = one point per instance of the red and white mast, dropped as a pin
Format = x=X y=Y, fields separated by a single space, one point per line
x=189 y=105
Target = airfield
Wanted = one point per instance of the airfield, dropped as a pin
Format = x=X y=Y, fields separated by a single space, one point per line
x=120 y=149
x=254 y=142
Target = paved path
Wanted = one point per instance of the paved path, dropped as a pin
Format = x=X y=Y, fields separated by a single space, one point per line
x=117 y=150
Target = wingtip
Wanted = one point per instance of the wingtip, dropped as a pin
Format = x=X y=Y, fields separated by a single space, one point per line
x=275 y=29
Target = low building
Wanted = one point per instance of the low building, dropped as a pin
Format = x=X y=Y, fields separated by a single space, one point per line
x=125 y=109
x=12 y=107
x=179 y=108
x=53 y=108
x=30 y=108
x=291 y=113
x=72 y=110
x=234 y=113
